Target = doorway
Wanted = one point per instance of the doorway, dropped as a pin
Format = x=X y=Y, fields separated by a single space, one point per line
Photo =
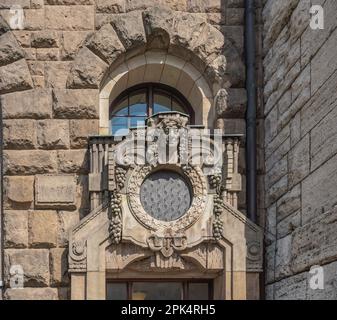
x=159 y=290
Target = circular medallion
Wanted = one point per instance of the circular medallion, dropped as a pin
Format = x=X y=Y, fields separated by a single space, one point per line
x=165 y=195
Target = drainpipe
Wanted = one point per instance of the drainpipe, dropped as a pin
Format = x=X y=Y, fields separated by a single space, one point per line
x=251 y=110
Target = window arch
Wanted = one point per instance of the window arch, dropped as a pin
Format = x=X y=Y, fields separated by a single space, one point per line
x=132 y=107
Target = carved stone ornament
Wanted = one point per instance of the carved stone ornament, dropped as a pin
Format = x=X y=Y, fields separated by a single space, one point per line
x=78 y=255
x=199 y=194
x=167 y=245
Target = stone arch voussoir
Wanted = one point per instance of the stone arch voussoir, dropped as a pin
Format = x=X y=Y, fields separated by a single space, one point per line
x=185 y=35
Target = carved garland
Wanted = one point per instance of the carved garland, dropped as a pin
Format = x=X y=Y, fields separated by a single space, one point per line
x=198 y=183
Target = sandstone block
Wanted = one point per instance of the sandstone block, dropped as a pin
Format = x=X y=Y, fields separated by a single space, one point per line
x=107 y=6
x=15 y=77
x=69 y=2
x=28 y=104
x=19 y=134
x=15 y=228
x=69 y=17
x=32 y=294
x=292 y=288
x=71 y=41
x=56 y=74
x=73 y=161
x=277 y=190
x=53 y=134
x=289 y=203
x=45 y=39
x=42 y=229
x=283 y=258
x=55 y=191
x=18 y=191
x=10 y=50
x=315 y=242
x=130 y=29
x=26 y=162
x=75 y=104
x=67 y=220
x=59 y=266
x=35 y=265
x=299 y=162
x=106 y=44
x=87 y=70
x=289 y=224
x=47 y=54
x=80 y=130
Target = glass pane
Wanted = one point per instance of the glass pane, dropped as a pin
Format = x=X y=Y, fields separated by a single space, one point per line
x=138 y=105
x=119 y=126
x=198 y=291
x=161 y=103
x=116 y=291
x=137 y=122
x=122 y=108
x=176 y=106
x=156 y=291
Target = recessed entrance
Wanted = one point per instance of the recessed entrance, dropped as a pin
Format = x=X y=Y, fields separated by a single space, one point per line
x=159 y=290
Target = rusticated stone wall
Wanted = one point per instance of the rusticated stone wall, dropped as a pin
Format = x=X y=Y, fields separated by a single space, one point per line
x=300 y=79
x=46 y=126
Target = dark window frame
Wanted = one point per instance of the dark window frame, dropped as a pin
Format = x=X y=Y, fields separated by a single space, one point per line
x=184 y=285
x=150 y=89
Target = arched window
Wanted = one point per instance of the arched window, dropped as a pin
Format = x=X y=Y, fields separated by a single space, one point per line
x=136 y=104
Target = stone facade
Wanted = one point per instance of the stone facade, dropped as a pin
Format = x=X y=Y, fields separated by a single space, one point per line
x=299 y=77
x=50 y=80
x=59 y=73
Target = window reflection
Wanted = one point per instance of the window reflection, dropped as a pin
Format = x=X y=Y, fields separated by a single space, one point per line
x=135 y=106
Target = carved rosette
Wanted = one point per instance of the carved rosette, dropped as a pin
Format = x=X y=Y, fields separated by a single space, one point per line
x=217 y=221
x=78 y=256
x=199 y=190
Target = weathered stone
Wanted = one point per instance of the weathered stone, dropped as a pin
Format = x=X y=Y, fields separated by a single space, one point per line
x=270 y=227
x=8 y=4
x=56 y=74
x=270 y=263
x=67 y=220
x=29 y=104
x=293 y=288
x=42 y=229
x=32 y=294
x=80 y=130
x=277 y=190
x=315 y=243
x=45 y=39
x=15 y=77
x=15 y=229
x=87 y=70
x=53 y=134
x=47 y=54
x=69 y=2
x=55 y=191
x=71 y=42
x=204 y=6
x=69 y=17
x=10 y=50
x=283 y=257
x=108 y=6
x=35 y=265
x=106 y=44
x=236 y=104
x=19 y=191
x=19 y=134
x=130 y=29
x=289 y=224
x=73 y=161
x=323 y=137
x=29 y=162
x=329 y=292
x=59 y=266
x=75 y=104
x=289 y=203
x=299 y=161
x=279 y=170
